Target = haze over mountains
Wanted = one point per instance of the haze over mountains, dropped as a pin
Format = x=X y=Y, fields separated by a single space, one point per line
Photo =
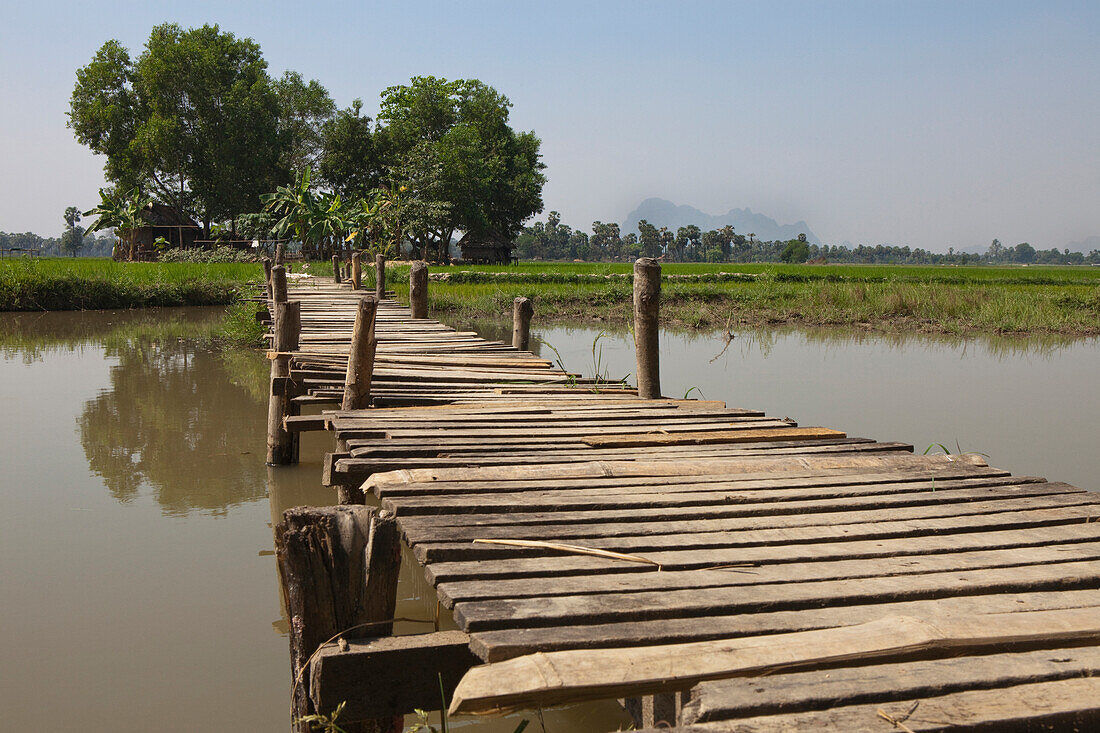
x=663 y=213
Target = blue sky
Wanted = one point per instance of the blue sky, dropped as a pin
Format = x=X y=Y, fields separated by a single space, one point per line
x=922 y=123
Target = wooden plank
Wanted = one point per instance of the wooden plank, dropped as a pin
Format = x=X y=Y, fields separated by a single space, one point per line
x=685 y=510
x=658 y=468
x=563 y=610
x=627 y=440
x=868 y=539
x=748 y=574
x=541 y=680
x=506 y=506
x=880 y=683
x=1067 y=705
x=493 y=646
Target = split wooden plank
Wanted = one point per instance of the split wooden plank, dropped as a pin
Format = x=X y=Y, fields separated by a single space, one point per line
x=541 y=680
x=494 y=646
x=880 y=683
x=1070 y=705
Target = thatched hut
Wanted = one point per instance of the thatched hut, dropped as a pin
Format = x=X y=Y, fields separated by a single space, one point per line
x=177 y=228
x=485 y=247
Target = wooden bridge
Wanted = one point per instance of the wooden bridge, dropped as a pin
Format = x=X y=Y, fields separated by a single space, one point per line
x=714 y=568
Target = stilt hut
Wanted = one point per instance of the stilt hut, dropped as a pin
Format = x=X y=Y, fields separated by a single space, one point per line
x=485 y=247
x=176 y=227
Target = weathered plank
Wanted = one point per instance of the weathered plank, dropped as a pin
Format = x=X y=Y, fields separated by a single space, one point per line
x=1060 y=705
x=573 y=609
x=880 y=683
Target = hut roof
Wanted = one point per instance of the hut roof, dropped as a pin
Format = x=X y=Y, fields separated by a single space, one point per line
x=162 y=215
x=485 y=238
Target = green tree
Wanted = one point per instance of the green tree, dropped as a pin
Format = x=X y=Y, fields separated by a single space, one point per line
x=649 y=239
x=73 y=238
x=194 y=120
x=349 y=161
x=304 y=110
x=464 y=167
x=1024 y=253
x=797 y=250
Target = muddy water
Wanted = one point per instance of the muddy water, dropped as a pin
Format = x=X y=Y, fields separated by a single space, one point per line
x=137 y=585
x=1031 y=405
x=138 y=590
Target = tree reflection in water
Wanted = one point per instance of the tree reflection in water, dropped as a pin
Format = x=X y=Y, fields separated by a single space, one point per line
x=178 y=421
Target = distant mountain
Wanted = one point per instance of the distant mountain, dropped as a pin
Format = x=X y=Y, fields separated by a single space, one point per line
x=662 y=213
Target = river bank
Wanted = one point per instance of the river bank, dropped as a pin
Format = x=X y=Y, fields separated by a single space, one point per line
x=98 y=284
x=950 y=300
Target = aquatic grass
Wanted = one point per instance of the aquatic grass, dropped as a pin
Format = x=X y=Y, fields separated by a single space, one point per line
x=241 y=327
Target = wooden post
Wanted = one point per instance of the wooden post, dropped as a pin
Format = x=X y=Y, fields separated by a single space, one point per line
x=278 y=284
x=647 y=301
x=361 y=357
x=522 y=310
x=356 y=271
x=339 y=569
x=336 y=269
x=280 y=253
x=267 y=276
x=418 y=289
x=280 y=442
x=380 y=277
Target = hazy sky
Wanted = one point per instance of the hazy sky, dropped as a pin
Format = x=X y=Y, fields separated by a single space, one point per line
x=922 y=123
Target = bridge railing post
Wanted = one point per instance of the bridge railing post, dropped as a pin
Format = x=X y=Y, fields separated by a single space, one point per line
x=356 y=271
x=281 y=443
x=418 y=289
x=522 y=310
x=336 y=269
x=267 y=276
x=647 y=301
x=361 y=356
x=380 y=277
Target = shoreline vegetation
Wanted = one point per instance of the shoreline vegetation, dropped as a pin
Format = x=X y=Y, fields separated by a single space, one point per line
x=949 y=300
x=42 y=284
x=904 y=298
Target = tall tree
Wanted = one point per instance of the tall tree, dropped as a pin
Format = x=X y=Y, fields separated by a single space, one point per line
x=350 y=163
x=194 y=120
x=304 y=110
x=73 y=239
x=485 y=175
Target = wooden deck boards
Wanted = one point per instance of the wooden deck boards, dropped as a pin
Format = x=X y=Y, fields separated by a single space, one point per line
x=752 y=527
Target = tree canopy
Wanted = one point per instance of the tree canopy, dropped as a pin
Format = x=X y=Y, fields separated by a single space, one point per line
x=196 y=121
x=450 y=145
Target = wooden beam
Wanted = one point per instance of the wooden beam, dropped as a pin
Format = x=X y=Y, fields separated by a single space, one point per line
x=389 y=676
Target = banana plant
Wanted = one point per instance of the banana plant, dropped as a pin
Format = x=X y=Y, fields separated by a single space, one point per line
x=121 y=212
x=297 y=206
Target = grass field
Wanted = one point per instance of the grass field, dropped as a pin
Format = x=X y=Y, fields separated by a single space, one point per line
x=97 y=283
x=1011 y=299
x=1063 y=300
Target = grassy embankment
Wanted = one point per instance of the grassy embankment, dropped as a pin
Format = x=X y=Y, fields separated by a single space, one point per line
x=93 y=284
x=957 y=300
